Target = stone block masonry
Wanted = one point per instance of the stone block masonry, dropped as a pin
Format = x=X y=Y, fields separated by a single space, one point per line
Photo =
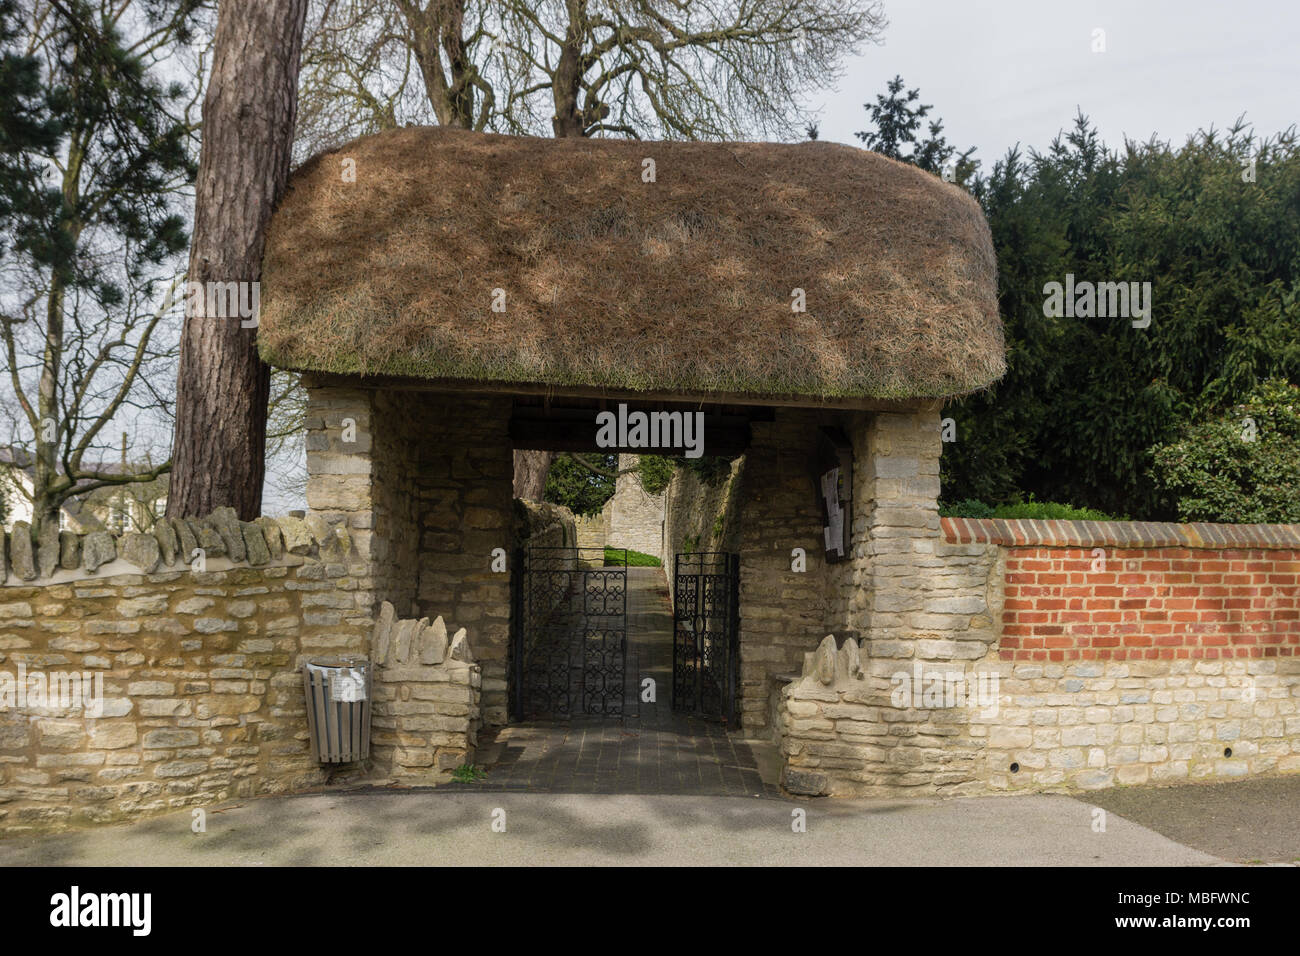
x=426 y=699
x=592 y=530
x=199 y=674
x=424 y=479
x=1061 y=656
x=907 y=593
x=634 y=518
x=782 y=612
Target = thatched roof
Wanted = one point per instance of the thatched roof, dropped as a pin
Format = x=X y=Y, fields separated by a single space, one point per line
x=683 y=285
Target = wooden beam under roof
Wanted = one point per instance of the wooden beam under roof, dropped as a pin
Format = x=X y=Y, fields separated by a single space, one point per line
x=560 y=393
x=554 y=427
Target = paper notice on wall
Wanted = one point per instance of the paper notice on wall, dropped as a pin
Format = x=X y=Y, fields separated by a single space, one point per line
x=835 y=533
x=831 y=490
x=348 y=686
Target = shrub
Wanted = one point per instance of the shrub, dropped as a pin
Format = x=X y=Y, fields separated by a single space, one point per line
x=1041 y=510
x=655 y=472
x=581 y=490
x=1241 y=466
x=711 y=470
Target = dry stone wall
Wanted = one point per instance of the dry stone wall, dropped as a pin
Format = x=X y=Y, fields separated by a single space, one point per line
x=65 y=555
x=426 y=699
x=133 y=683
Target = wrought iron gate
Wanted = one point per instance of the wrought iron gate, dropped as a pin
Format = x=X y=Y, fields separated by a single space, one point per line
x=706 y=634
x=569 y=654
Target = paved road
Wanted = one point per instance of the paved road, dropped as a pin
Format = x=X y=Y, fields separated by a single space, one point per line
x=1248 y=821
x=456 y=828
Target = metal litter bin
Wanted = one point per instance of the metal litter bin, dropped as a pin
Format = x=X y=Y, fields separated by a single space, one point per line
x=338 y=708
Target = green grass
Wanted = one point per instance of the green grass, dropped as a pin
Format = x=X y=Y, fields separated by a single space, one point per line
x=1042 y=510
x=468 y=773
x=635 y=559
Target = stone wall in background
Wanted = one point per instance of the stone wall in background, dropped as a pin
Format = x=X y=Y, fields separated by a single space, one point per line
x=700 y=516
x=546 y=532
x=633 y=517
x=592 y=530
x=540 y=524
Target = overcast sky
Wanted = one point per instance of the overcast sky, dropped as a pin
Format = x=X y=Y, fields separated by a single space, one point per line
x=1010 y=71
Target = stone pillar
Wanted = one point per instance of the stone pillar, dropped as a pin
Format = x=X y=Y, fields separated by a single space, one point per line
x=422 y=482
x=340 y=482
x=912 y=611
x=896 y=461
x=782 y=611
x=338 y=454
x=464 y=494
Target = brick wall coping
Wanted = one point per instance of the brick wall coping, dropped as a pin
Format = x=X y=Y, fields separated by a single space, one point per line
x=1030 y=532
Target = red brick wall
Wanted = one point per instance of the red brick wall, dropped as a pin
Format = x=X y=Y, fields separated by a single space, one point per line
x=1181 y=594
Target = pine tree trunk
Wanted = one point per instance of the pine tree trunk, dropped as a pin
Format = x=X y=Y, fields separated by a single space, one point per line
x=248 y=119
x=531 y=469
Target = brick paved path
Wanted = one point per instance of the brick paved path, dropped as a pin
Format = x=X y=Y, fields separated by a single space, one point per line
x=655 y=751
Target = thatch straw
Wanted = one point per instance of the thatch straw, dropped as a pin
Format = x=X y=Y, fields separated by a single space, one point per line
x=683 y=284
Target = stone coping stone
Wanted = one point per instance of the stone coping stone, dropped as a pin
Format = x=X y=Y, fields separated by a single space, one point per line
x=1033 y=532
x=121 y=567
x=62 y=557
